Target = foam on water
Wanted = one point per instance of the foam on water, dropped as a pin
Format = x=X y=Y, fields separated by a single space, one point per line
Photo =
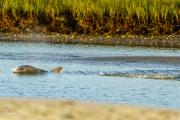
x=148 y=74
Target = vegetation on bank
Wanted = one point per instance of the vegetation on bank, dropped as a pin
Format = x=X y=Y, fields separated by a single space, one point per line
x=92 y=16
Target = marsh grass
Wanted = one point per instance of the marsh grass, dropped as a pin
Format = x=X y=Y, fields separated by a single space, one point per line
x=92 y=16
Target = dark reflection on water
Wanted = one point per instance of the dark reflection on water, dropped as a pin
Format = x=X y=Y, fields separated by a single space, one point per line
x=82 y=79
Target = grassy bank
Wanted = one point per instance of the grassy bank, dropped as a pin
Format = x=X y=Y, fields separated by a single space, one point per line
x=92 y=16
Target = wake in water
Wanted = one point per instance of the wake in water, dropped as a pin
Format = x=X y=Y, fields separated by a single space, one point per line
x=148 y=74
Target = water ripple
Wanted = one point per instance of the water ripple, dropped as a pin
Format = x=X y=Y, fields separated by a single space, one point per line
x=38 y=56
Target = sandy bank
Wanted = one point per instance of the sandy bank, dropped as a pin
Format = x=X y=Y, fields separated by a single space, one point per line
x=169 y=41
x=68 y=110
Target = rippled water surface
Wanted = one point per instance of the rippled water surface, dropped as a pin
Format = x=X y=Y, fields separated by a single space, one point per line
x=82 y=79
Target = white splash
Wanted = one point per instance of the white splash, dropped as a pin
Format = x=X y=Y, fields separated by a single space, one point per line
x=14 y=70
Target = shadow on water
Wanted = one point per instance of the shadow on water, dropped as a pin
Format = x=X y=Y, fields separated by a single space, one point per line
x=144 y=59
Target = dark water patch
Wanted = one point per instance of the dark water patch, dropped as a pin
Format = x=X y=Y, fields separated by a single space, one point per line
x=38 y=56
x=145 y=59
x=81 y=72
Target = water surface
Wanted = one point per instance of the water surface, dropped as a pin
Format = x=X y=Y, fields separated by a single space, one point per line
x=81 y=78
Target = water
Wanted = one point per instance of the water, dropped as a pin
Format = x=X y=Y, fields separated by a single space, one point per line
x=81 y=78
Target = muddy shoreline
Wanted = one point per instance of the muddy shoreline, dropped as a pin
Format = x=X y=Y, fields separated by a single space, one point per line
x=168 y=41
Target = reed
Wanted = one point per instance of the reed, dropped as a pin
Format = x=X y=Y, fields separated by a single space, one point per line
x=93 y=16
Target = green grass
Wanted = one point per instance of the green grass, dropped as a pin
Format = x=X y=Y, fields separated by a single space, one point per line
x=101 y=16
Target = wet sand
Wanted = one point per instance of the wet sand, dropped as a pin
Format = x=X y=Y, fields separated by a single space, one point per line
x=26 y=109
x=145 y=59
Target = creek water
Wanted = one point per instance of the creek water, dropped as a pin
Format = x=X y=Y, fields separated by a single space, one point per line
x=85 y=79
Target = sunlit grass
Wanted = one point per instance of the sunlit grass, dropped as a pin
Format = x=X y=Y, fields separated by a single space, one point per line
x=122 y=13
